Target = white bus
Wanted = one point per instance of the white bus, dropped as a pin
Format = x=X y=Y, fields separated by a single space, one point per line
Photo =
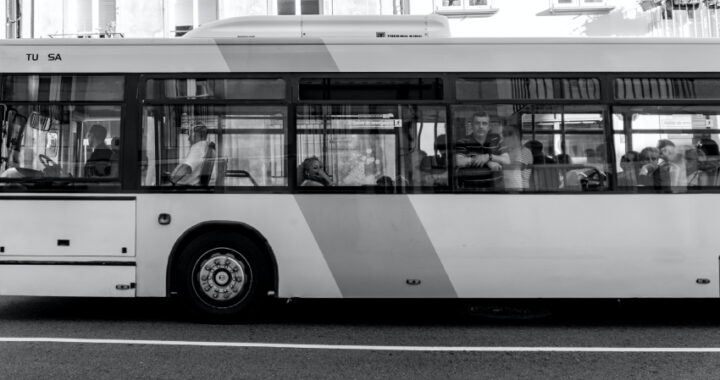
x=153 y=168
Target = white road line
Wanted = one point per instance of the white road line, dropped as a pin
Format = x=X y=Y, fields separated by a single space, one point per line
x=363 y=347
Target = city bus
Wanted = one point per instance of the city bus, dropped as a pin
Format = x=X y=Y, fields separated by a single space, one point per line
x=226 y=170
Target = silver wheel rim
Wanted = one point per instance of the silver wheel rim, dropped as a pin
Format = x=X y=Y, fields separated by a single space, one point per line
x=222 y=277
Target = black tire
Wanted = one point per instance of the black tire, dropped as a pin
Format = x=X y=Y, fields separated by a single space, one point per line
x=221 y=277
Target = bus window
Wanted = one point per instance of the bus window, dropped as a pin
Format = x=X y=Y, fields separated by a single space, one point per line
x=527 y=88
x=208 y=88
x=63 y=88
x=423 y=152
x=355 y=143
x=518 y=147
x=66 y=143
x=667 y=149
x=666 y=88
x=214 y=146
x=388 y=147
x=371 y=89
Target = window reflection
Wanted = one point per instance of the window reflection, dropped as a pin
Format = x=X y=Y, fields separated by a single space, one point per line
x=221 y=146
x=67 y=143
x=667 y=149
x=387 y=146
x=518 y=147
x=62 y=88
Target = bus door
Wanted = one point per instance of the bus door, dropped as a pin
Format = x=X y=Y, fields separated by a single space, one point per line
x=62 y=217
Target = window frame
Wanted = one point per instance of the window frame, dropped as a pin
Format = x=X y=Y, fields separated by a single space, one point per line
x=284 y=103
x=443 y=102
x=120 y=183
x=132 y=104
x=627 y=130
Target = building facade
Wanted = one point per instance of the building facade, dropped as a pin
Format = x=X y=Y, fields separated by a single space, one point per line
x=468 y=18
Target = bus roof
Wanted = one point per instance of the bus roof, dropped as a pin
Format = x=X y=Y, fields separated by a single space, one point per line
x=316 y=26
x=258 y=55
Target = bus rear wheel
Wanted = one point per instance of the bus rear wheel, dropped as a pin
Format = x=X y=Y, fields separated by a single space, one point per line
x=222 y=276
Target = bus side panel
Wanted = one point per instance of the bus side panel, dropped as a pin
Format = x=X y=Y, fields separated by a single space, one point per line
x=67 y=280
x=575 y=245
x=483 y=245
x=67 y=227
x=303 y=271
x=375 y=246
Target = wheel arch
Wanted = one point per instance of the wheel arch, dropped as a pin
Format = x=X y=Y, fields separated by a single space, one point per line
x=225 y=226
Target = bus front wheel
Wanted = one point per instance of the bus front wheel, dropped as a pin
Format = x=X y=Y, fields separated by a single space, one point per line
x=222 y=276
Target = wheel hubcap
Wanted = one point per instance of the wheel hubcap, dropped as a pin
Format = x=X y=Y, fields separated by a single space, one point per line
x=222 y=276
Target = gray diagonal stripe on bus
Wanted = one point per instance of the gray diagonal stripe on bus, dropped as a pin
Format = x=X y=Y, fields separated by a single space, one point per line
x=311 y=57
x=374 y=244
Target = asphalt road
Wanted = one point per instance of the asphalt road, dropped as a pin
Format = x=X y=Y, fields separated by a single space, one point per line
x=391 y=330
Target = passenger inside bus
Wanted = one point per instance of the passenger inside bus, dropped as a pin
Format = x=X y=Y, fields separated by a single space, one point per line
x=709 y=159
x=480 y=156
x=313 y=173
x=100 y=162
x=516 y=175
x=628 y=177
x=434 y=167
x=695 y=176
x=545 y=174
x=648 y=162
x=20 y=165
x=669 y=172
x=198 y=165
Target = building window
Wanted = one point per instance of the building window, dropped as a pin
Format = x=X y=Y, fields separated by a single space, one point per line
x=465 y=3
x=464 y=7
x=299 y=7
x=580 y=5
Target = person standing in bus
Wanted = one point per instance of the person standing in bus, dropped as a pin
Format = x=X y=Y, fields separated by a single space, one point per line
x=481 y=148
x=480 y=156
x=189 y=171
x=673 y=163
x=100 y=161
x=648 y=162
x=669 y=171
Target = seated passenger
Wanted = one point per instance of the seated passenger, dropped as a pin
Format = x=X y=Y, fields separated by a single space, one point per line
x=385 y=181
x=695 y=175
x=648 y=162
x=545 y=172
x=628 y=177
x=670 y=170
x=483 y=150
x=539 y=156
x=313 y=173
x=434 y=167
x=99 y=164
x=709 y=160
x=190 y=171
